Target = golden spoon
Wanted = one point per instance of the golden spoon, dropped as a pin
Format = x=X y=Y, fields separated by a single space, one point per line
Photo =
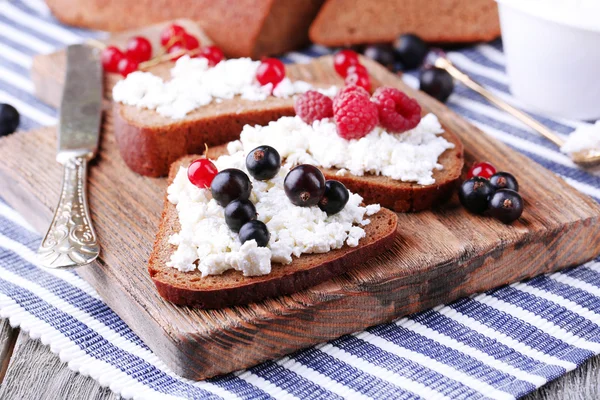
x=587 y=158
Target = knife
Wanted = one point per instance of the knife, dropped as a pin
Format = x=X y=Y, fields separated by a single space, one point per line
x=71 y=240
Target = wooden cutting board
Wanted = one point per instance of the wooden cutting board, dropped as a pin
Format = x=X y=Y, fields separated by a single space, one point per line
x=439 y=255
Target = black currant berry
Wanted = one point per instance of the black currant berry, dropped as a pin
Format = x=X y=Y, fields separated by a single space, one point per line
x=437 y=83
x=335 y=198
x=9 y=119
x=504 y=180
x=230 y=184
x=506 y=205
x=238 y=212
x=410 y=50
x=256 y=230
x=304 y=185
x=474 y=194
x=263 y=163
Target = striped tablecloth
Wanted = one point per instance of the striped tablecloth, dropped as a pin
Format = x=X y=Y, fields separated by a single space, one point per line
x=502 y=344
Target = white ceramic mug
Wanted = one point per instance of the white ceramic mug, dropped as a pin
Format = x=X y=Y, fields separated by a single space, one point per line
x=552 y=50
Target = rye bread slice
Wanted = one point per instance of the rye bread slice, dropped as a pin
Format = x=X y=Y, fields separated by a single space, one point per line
x=232 y=288
x=346 y=22
x=149 y=142
x=396 y=195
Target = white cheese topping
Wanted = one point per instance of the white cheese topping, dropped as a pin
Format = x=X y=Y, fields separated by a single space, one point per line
x=205 y=241
x=410 y=156
x=586 y=137
x=194 y=84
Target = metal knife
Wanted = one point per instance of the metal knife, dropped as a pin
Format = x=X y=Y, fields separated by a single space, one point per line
x=71 y=240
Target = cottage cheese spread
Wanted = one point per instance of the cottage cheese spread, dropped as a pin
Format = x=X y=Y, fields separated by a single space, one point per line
x=205 y=241
x=194 y=84
x=409 y=157
x=586 y=137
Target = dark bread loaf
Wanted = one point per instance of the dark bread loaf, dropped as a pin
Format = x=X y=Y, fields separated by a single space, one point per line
x=396 y=195
x=242 y=28
x=232 y=288
x=346 y=22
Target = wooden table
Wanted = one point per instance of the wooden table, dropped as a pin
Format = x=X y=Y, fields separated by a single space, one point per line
x=30 y=371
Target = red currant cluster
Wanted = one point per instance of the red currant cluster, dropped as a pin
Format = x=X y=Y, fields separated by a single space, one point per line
x=175 y=42
x=348 y=66
x=270 y=70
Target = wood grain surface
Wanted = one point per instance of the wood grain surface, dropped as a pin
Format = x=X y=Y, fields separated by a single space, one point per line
x=439 y=256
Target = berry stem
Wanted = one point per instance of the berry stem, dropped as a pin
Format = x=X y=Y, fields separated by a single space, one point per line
x=167 y=57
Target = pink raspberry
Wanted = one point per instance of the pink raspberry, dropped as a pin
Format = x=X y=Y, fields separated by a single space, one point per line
x=397 y=112
x=312 y=106
x=354 y=114
x=350 y=89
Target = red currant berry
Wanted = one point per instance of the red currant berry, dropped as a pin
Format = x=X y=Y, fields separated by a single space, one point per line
x=357 y=69
x=201 y=173
x=358 y=80
x=139 y=49
x=213 y=54
x=127 y=66
x=177 y=50
x=482 y=169
x=190 y=42
x=110 y=57
x=170 y=32
x=344 y=59
x=270 y=70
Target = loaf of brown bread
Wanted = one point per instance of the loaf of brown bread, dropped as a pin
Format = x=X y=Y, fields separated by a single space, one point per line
x=248 y=28
x=232 y=288
x=346 y=22
x=396 y=195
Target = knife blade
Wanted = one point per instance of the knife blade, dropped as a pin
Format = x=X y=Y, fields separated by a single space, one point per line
x=71 y=240
x=81 y=105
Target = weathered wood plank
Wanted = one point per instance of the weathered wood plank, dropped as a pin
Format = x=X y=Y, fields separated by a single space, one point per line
x=440 y=255
x=35 y=373
x=8 y=337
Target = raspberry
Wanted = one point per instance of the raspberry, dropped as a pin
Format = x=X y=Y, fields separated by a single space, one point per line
x=354 y=114
x=350 y=89
x=397 y=112
x=312 y=106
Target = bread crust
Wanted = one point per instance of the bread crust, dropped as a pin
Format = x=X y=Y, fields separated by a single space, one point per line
x=232 y=288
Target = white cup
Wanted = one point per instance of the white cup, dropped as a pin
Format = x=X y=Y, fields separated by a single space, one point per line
x=552 y=50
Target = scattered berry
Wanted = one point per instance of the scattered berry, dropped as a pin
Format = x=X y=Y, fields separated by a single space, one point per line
x=344 y=59
x=263 y=163
x=172 y=34
x=110 y=57
x=304 y=185
x=256 y=230
x=9 y=119
x=230 y=184
x=127 y=66
x=504 y=180
x=213 y=54
x=483 y=169
x=270 y=70
x=506 y=205
x=410 y=50
x=177 y=51
x=437 y=83
x=201 y=173
x=139 y=49
x=190 y=42
x=312 y=106
x=382 y=53
x=238 y=212
x=335 y=197
x=358 y=80
x=397 y=112
x=355 y=115
x=475 y=193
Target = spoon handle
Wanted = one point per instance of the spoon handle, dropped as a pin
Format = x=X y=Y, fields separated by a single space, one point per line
x=446 y=64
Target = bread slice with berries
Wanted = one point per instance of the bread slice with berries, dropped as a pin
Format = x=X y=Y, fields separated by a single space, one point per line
x=346 y=22
x=149 y=142
x=232 y=288
x=394 y=194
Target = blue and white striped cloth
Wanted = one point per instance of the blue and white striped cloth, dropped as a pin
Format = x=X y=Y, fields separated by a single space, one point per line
x=502 y=344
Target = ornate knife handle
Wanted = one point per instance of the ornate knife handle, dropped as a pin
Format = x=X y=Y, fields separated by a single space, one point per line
x=71 y=240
